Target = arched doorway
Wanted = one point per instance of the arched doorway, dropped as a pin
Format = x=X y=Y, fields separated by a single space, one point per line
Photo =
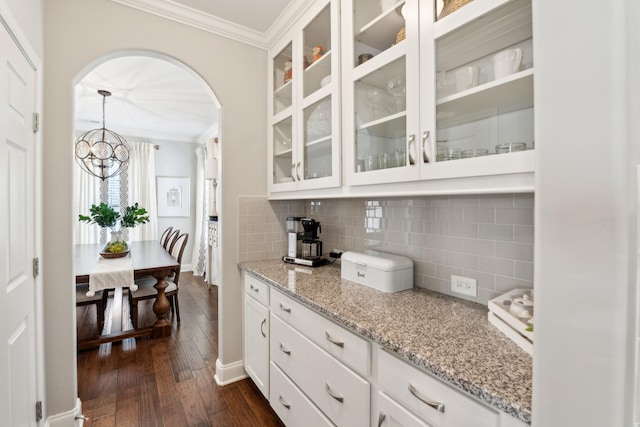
x=159 y=101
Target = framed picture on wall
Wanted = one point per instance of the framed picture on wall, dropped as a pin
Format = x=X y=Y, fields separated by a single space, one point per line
x=173 y=196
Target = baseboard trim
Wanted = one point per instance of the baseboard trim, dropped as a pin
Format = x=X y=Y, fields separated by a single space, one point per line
x=229 y=373
x=67 y=418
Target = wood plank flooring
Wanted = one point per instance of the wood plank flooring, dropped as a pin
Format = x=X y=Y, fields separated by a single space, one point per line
x=165 y=382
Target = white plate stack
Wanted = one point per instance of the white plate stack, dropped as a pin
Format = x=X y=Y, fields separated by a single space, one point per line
x=512 y=314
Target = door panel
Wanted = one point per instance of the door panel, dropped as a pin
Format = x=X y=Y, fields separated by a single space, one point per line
x=17 y=298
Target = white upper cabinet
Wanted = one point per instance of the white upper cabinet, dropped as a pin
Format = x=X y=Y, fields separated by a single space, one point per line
x=304 y=69
x=443 y=98
x=404 y=99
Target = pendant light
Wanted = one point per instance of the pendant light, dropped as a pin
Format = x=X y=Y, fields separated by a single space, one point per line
x=101 y=152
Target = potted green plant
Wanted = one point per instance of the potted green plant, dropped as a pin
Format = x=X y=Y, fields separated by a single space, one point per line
x=106 y=216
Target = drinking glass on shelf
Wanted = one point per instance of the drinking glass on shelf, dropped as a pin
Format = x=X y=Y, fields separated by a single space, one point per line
x=375 y=98
x=397 y=88
x=372 y=162
x=401 y=158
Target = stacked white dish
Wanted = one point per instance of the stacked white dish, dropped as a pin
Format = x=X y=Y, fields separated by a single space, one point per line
x=512 y=314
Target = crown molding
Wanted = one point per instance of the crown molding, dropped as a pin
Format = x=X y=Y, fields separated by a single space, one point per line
x=194 y=18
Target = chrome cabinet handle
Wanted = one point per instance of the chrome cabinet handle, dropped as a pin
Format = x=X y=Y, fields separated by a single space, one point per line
x=284 y=350
x=283 y=403
x=254 y=289
x=261 y=327
x=332 y=341
x=381 y=419
x=331 y=393
x=298 y=171
x=412 y=143
x=435 y=405
x=425 y=156
x=293 y=171
x=285 y=309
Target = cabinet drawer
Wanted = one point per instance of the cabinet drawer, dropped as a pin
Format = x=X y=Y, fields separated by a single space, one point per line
x=257 y=289
x=391 y=414
x=340 y=393
x=291 y=405
x=346 y=346
x=413 y=388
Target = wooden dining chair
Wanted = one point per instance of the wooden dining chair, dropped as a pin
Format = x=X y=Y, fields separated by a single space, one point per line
x=99 y=299
x=146 y=288
x=165 y=236
x=171 y=236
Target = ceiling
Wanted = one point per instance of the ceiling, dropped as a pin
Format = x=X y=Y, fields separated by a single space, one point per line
x=155 y=99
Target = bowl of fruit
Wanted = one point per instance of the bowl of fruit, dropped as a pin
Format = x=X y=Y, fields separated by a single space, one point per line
x=115 y=250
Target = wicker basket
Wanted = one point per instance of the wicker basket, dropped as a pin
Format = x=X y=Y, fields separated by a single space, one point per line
x=451 y=6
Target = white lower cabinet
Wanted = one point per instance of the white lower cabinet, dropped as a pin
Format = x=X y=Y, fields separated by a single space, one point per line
x=316 y=373
x=392 y=414
x=430 y=399
x=291 y=405
x=339 y=392
x=256 y=332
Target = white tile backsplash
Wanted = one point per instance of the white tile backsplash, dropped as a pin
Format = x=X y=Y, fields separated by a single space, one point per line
x=485 y=237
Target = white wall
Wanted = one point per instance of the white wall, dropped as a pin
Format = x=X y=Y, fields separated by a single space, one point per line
x=76 y=34
x=586 y=214
x=178 y=159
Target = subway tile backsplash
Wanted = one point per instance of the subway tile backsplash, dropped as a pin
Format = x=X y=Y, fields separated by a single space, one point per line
x=485 y=237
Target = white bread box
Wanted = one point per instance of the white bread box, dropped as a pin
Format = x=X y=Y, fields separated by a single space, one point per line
x=384 y=272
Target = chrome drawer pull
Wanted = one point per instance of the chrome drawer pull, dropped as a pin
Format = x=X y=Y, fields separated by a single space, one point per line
x=332 y=341
x=286 y=309
x=284 y=350
x=435 y=405
x=332 y=394
x=261 y=327
x=283 y=403
x=254 y=289
x=381 y=419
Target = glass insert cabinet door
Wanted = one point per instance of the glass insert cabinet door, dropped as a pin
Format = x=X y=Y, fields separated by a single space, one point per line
x=484 y=104
x=305 y=133
x=382 y=63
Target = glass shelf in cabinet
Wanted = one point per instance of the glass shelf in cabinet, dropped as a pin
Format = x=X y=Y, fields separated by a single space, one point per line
x=284 y=153
x=284 y=91
x=498 y=11
x=497 y=97
x=392 y=126
x=319 y=143
x=381 y=32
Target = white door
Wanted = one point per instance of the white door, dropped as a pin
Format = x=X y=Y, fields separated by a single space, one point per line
x=17 y=293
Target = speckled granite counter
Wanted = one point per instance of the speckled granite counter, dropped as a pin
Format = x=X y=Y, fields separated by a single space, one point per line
x=446 y=336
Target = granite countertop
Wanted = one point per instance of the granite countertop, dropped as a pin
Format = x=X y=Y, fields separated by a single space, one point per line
x=446 y=336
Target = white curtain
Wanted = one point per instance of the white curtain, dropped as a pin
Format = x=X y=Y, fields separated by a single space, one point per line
x=200 y=244
x=87 y=191
x=142 y=188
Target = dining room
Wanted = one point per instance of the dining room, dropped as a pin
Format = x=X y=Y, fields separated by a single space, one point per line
x=145 y=143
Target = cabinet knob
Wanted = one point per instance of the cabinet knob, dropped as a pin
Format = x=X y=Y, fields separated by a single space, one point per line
x=411 y=149
x=332 y=341
x=262 y=327
x=435 y=405
x=331 y=393
x=285 y=309
x=283 y=403
x=381 y=419
x=285 y=350
x=425 y=155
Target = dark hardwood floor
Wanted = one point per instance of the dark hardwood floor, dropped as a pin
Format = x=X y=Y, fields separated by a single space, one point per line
x=165 y=382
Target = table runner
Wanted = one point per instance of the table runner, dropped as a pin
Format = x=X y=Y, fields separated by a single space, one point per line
x=111 y=273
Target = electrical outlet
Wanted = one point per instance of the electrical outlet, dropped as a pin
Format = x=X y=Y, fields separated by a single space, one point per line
x=464 y=286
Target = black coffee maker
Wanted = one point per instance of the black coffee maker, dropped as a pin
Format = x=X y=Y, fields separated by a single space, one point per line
x=311 y=245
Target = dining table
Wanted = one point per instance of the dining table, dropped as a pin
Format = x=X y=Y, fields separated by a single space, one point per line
x=148 y=258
